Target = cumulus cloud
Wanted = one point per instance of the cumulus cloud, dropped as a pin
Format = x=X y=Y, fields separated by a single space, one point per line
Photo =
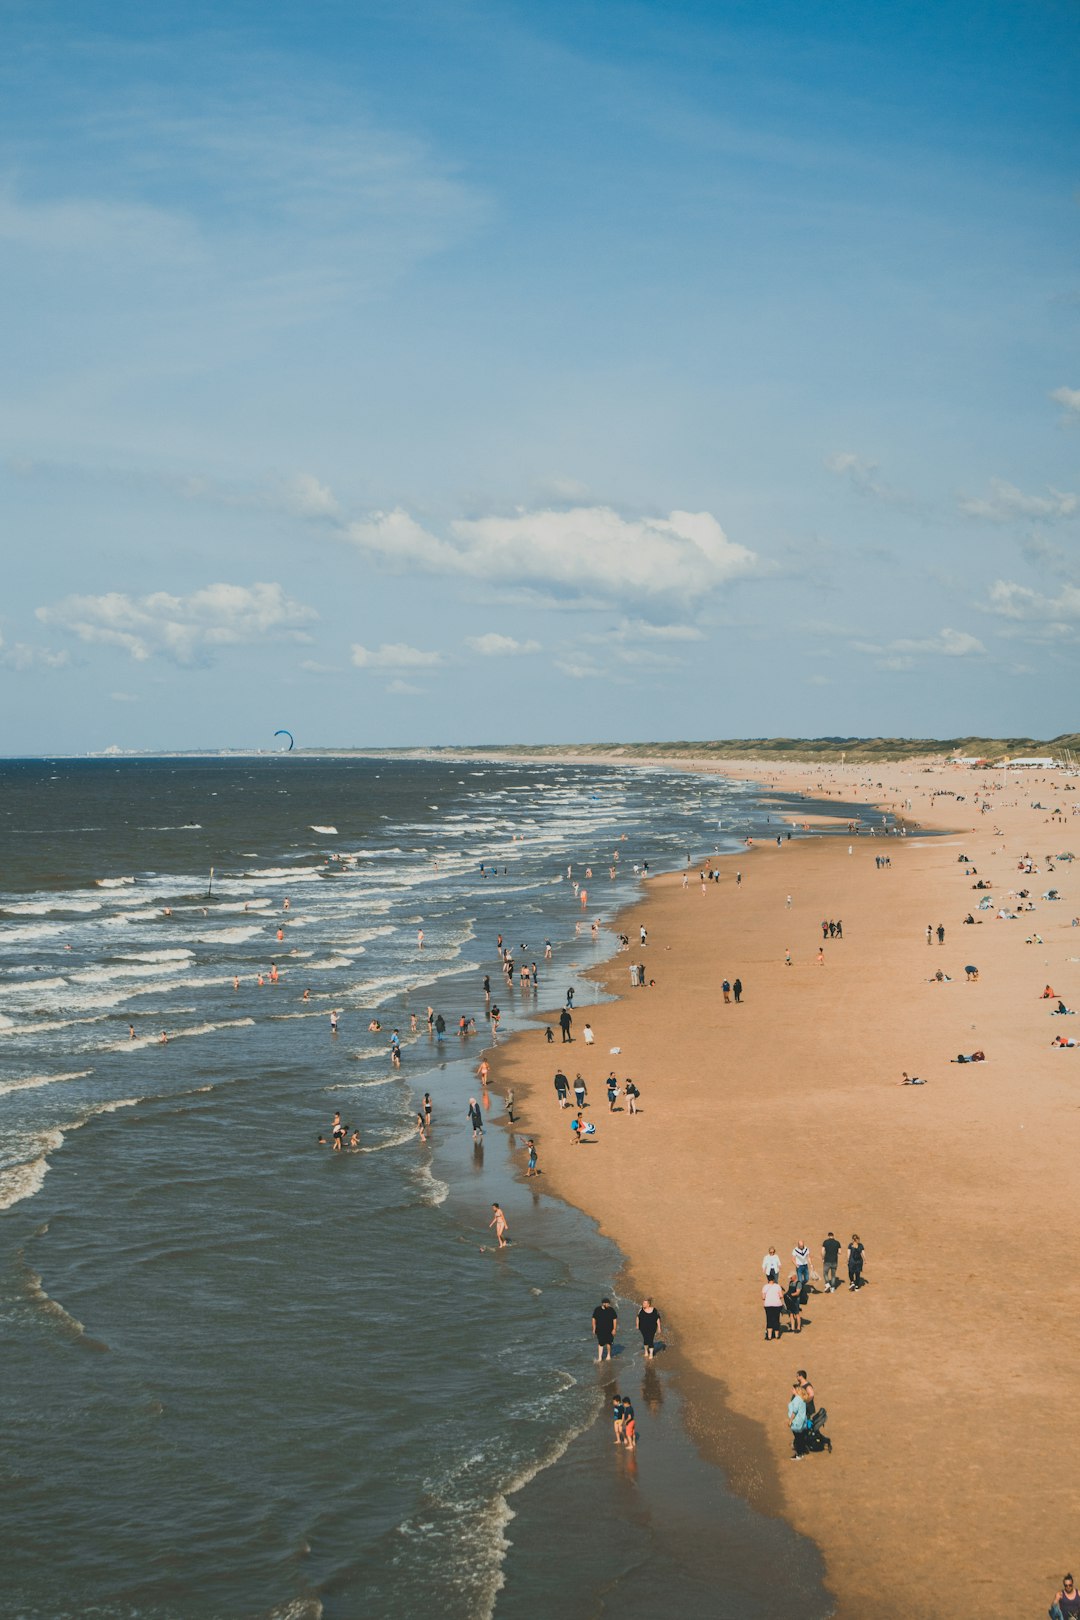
x=863 y=476
x=1006 y=503
x=393 y=655
x=579 y=666
x=1068 y=399
x=577 y=551
x=494 y=645
x=185 y=629
x=310 y=498
x=403 y=689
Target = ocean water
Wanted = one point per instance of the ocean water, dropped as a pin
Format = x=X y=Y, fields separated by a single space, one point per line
x=241 y=1375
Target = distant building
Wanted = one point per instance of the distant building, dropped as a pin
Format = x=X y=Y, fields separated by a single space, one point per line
x=1044 y=763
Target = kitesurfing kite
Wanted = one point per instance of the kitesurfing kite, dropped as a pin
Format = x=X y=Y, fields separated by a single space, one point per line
x=288 y=734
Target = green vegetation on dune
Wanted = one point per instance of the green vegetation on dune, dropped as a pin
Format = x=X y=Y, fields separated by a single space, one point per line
x=850 y=749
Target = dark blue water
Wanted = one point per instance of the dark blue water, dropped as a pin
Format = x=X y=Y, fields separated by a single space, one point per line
x=241 y=1375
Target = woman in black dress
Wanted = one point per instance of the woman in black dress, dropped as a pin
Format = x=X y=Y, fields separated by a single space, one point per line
x=649 y=1325
x=854 y=1262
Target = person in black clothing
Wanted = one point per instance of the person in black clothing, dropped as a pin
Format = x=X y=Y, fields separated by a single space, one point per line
x=830 y=1258
x=649 y=1325
x=476 y=1120
x=562 y=1086
x=737 y=990
x=565 y=1022
x=854 y=1263
x=605 y=1325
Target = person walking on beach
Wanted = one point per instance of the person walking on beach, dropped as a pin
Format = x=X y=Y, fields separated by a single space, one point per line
x=632 y=1095
x=772 y=1297
x=726 y=988
x=737 y=991
x=830 y=1257
x=510 y=1105
x=499 y=1222
x=605 y=1325
x=427 y=1109
x=570 y=996
x=820 y=957
x=797 y=1422
x=794 y=1295
x=579 y=1091
x=587 y=1032
x=941 y=933
x=476 y=1120
x=771 y=1264
x=649 y=1325
x=565 y=1022
x=531 y=1169
x=854 y=1263
x=801 y=1256
x=562 y=1087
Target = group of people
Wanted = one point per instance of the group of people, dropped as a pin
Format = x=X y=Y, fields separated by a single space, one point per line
x=779 y=1299
x=605 y=1325
x=615 y=1089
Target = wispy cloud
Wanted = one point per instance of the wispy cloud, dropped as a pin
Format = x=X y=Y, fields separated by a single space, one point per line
x=864 y=477
x=184 y=629
x=493 y=645
x=1069 y=400
x=906 y=651
x=393 y=655
x=22 y=656
x=398 y=688
x=1006 y=504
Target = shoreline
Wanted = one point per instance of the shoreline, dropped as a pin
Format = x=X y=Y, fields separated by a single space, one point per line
x=697 y=1194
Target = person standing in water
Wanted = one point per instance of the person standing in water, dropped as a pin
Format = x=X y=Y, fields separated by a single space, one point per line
x=499 y=1222
x=648 y=1325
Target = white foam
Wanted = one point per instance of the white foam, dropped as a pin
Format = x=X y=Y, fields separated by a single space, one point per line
x=314 y=828
x=19 y=1181
x=57 y=903
x=114 y=882
x=432 y=1190
x=142 y=1041
x=330 y=962
x=154 y=956
x=33 y=1081
x=390 y=1142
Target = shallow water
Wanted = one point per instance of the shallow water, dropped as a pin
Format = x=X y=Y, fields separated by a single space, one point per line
x=241 y=1375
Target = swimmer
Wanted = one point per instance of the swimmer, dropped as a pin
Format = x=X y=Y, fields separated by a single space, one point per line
x=374 y=1025
x=131 y=1032
x=354 y=1142
x=333 y=1023
x=236 y=981
x=306 y=996
x=164 y=1039
x=420 y=1127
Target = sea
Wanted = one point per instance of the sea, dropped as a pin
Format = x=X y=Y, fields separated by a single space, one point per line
x=243 y=1375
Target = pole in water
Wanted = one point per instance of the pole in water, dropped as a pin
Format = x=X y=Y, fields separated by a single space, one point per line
x=210 y=885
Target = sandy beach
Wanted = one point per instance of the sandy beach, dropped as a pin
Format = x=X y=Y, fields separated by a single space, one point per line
x=775 y=1121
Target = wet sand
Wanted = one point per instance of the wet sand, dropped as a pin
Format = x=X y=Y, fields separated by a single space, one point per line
x=950 y=1487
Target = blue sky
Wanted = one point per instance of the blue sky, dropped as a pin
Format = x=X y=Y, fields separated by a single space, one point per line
x=422 y=373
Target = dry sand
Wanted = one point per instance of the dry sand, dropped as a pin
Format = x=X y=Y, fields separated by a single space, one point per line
x=950 y=1489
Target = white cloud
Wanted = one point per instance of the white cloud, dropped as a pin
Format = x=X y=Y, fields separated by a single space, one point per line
x=579 y=666
x=311 y=499
x=1006 y=504
x=902 y=653
x=576 y=551
x=184 y=629
x=494 y=645
x=403 y=689
x=863 y=477
x=640 y=630
x=1068 y=399
x=1012 y=601
x=393 y=655
x=22 y=656
x=123 y=697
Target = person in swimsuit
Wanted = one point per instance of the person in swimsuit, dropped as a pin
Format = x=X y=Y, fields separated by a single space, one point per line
x=354 y=1142
x=617 y=1417
x=427 y=1109
x=499 y=1222
x=648 y=1325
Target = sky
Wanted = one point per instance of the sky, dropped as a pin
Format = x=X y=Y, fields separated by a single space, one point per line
x=433 y=373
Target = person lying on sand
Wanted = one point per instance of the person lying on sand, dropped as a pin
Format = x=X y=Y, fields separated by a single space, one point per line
x=969 y=1057
x=910 y=1080
x=1063 y=1040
